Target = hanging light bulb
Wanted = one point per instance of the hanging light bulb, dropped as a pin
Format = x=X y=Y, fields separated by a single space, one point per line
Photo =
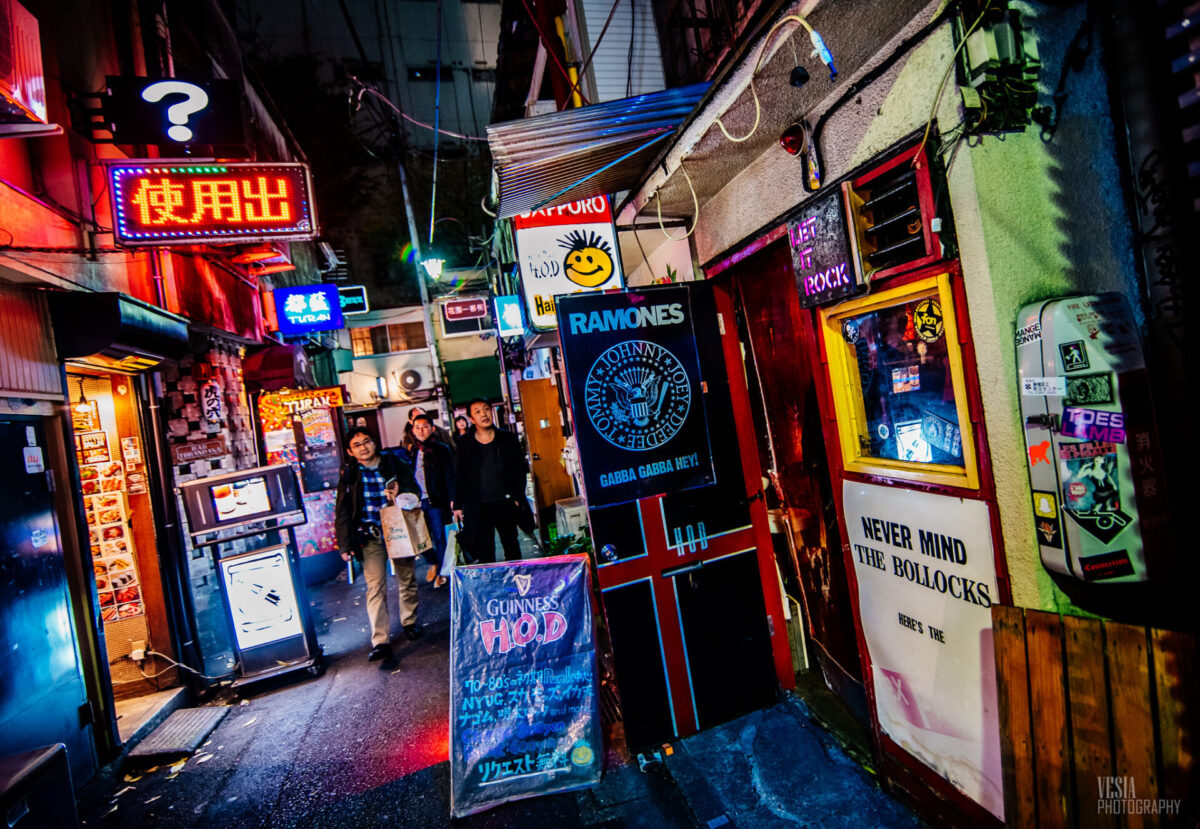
x=83 y=406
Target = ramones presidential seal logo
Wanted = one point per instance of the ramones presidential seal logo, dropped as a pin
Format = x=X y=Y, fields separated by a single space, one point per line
x=637 y=395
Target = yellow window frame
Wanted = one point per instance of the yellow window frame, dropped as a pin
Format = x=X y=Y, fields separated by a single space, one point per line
x=847 y=392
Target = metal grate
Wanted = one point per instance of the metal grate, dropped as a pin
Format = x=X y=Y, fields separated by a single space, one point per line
x=182 y=732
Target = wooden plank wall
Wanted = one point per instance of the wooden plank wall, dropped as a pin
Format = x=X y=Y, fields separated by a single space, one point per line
x=1099 y=722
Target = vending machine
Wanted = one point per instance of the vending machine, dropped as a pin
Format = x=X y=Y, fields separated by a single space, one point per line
x=1099 y=504
x=260 y=577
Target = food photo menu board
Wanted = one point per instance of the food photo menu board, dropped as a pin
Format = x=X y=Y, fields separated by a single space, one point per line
x=301 y=428
x=117 y=582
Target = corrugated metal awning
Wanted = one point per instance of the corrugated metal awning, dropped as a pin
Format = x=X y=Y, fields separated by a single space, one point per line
x=589 y=151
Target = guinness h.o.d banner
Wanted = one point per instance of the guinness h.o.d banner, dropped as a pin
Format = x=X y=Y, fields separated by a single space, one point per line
x=524 y=709
x=636 y=393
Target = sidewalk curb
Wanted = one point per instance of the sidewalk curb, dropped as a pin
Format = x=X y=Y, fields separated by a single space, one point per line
x=707 y=810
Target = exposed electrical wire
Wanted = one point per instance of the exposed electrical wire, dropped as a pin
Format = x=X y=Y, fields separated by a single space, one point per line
x=942 y=86
x=857 y=86
x=364 y=88
x=695 y=206
x=595 y=48
x=437 y=114
x=173 y=664
x=818 y=44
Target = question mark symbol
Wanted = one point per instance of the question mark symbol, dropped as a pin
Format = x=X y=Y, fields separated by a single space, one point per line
x=178 y=114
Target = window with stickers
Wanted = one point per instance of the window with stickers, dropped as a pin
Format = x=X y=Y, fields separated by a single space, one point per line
x=896 y=370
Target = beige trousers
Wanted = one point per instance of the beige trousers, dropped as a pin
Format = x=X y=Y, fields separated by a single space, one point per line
x=375 y=570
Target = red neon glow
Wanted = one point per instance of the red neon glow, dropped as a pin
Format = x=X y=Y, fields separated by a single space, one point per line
x=170 y=204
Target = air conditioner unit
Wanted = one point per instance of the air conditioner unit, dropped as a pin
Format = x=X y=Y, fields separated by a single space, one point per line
x=411 y=379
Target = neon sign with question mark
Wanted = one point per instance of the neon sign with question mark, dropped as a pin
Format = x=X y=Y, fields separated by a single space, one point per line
x=196 y=100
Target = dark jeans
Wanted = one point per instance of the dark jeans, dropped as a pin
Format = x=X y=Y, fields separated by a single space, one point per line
x=482 y=525
x=435 y=518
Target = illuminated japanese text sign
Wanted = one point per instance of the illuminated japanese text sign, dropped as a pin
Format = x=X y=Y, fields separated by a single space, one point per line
x=173 y=204
x=465 y=309
x=306 y=308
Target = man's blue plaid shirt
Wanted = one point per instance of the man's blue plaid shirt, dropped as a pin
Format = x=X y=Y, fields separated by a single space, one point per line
x=374 y=497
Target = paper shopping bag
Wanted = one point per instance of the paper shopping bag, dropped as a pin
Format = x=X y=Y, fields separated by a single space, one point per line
x=418 y=530
x=397 y=537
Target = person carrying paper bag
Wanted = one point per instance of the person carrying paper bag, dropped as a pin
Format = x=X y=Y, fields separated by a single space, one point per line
x=370 y=480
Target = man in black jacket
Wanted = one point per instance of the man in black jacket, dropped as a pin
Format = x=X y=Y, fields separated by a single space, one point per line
x=433 y=467
x=366 y=484
x=490 y=486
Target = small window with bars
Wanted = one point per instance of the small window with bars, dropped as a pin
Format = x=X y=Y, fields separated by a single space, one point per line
x=893 y=210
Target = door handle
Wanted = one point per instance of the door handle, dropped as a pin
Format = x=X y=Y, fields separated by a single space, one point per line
x=536 y=456
x=671 y=572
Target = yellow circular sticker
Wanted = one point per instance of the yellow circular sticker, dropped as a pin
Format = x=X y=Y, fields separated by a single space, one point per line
x=927 y=320
x=581 y=755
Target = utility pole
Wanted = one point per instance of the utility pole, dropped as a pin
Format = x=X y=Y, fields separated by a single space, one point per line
x=427 y=314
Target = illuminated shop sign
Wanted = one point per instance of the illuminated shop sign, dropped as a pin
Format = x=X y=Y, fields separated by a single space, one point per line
x=566 y=249
x=173 y=111
x=22 y=83
x=822 y=258
x=354 y=299
x=306 y=308
x=508 y=316
x=174 y=204
x=465 y=309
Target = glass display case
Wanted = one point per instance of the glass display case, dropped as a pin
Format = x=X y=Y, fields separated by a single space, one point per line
x=897 y=378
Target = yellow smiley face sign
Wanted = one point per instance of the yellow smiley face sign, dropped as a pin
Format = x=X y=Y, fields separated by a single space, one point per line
x=589 y=261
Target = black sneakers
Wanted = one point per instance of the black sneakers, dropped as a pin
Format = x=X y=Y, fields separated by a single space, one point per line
x=412 y=632
x=378 y=652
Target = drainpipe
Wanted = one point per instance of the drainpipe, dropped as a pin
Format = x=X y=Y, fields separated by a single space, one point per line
x=160 y=294
x=572 y=63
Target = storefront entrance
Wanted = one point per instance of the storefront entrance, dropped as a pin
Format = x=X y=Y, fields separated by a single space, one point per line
x=688 y=578
x=111 y=450
x=777 y=344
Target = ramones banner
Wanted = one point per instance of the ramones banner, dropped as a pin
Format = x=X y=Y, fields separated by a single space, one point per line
x=636 y=393
x=524 y=715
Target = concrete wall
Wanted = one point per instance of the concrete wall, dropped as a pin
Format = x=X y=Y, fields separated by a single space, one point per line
x=647 y=253
x=1034 y=220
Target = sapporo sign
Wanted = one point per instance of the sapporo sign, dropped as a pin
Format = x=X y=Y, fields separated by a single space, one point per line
x=926 y=577
x=565 y=250
x=175 y=204
x=524 y=713
x=636 y=393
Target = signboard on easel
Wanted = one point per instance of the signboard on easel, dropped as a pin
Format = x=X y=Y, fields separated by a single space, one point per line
x=524 y=712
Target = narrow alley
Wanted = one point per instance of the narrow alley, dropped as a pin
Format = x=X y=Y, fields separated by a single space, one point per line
x=365 y=744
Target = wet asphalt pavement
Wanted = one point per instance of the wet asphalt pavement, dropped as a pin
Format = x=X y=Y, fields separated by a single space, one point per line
x=363 y=745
